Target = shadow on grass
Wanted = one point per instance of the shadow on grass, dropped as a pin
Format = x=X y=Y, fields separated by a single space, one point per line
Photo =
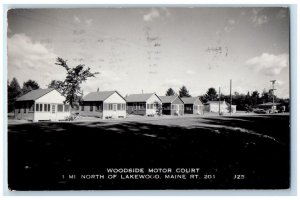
x=40 y=153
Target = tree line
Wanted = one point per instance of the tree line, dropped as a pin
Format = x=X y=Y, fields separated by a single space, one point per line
x=14 y=91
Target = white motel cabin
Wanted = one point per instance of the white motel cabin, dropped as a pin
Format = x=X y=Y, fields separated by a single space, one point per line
x=42 y=105
x=106 y=104
x=143 y=104
x=213 y=106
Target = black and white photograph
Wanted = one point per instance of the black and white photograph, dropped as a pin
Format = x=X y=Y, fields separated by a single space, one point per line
x=148 y=98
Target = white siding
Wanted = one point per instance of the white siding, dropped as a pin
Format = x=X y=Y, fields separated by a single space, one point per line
x=152 y=100
x=53 y=115
x=214 y=107
x=52 y=97
x=115 y=98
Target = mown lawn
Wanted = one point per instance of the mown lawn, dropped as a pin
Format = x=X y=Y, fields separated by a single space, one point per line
x=256 y=146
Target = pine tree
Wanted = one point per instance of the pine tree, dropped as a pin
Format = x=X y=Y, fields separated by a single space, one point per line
x=13 y=92
x=170 y=92
x=211 y=95
x=183 y=92
x=254 y=98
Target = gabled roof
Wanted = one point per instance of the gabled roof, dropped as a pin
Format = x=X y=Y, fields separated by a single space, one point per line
x=189 y=100
x=138 y=97
x=99 y=96
x=34 y=94
x=168 y=99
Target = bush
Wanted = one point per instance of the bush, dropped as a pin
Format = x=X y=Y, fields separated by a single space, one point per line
x=72 y=117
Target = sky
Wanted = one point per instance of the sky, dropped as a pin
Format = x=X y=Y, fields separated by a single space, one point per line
x=148 y=50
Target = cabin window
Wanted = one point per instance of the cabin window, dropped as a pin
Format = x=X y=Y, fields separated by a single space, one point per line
x=142 y=106
x=67 y=108
x=110 y=106
x=53 y=108
x=31 y=107
x=123 y=106
x=37 y=106
x=119 y=106
x=41 y=107
x=45 y=108
x=151 y=106
x=48 y=107
x=91 y=107
x=148 y=106
x=60 y=108
x=97 y=107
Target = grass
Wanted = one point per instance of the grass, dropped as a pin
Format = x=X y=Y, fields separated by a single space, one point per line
x=256 y=146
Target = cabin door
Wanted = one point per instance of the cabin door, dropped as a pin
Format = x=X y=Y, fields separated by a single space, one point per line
x=176 y=109
x=53 y=112
x=114 y=110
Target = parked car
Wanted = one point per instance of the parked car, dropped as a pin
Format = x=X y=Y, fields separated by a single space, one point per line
x=261 y=111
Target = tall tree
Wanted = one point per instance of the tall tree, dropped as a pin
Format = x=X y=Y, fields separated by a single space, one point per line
x=170 y=92
x=29 y=85
x=183 y=92
x=13 y=92
x=266 y=96
x=211 y=94
x=74 y=78
x=254 y=98
x=248 y=102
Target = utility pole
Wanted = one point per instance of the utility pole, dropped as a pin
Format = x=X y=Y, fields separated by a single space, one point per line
x=219 y=100
x=230 y=97
x=273 y=91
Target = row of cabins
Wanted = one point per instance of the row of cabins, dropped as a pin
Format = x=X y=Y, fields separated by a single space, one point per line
x=110 y=104
x=48 y=104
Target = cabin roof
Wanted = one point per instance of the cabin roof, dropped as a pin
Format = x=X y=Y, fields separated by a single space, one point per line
x=189 y=100
x=138 y=97
x=35 y=94
x=168 y=99
x=98 y=96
